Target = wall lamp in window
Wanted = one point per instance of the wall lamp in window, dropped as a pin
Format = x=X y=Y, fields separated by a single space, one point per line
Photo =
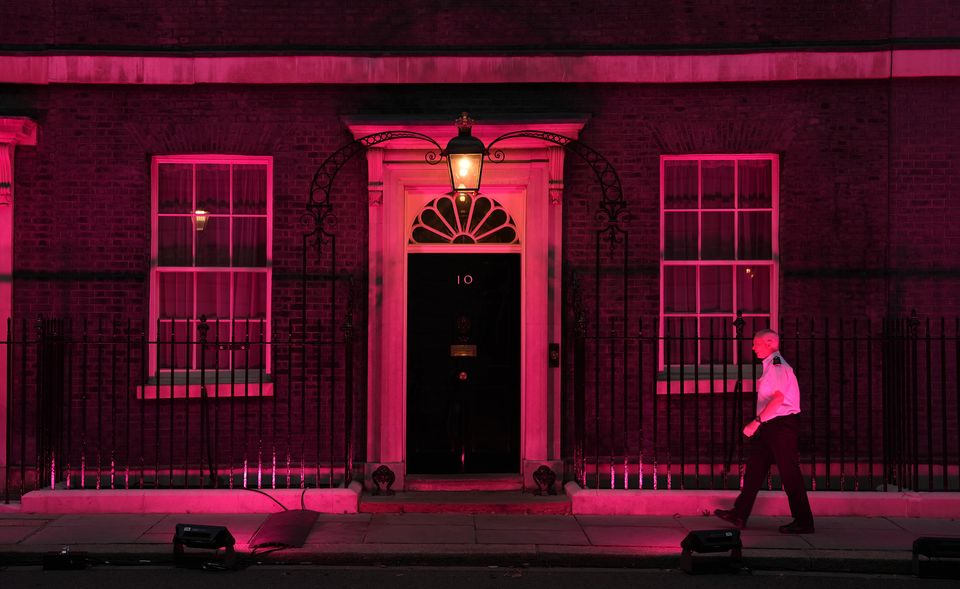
x=200 y=217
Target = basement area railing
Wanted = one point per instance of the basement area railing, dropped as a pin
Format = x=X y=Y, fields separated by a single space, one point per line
x=207 y=404
x=879 y=406
x=197 y=404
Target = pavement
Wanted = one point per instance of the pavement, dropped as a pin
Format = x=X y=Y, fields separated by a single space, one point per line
x=853 y=544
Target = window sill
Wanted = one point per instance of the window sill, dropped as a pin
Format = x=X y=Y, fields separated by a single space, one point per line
x=189 y=387
x=696 y=380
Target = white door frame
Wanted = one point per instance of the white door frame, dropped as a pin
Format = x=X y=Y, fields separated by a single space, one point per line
x=13 y=131
x=532 y=168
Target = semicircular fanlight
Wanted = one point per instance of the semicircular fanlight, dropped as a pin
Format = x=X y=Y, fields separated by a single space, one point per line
x=464 y=219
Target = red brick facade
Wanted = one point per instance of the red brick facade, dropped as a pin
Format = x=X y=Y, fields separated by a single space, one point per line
x=867 y=224
x=539 y=24
x=869 y=219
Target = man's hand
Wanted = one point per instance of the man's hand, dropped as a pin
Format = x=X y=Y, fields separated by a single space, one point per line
x=751 y=428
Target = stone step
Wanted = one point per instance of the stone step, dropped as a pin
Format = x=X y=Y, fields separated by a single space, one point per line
x=471 y=482
x=465 y=502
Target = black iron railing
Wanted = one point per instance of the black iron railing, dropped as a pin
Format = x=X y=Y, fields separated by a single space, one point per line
x=879 y=406
x=103 y=405
x=201 y=404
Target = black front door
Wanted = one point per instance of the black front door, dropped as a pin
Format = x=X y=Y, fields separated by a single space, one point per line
x=463 y=363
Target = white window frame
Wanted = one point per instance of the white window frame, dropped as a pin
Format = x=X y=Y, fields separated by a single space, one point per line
x=773 y=262
x=238 y=388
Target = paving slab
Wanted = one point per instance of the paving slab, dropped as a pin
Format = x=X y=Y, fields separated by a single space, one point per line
x=337 y=532
x=106 y=519
x=23 y=521
x=635 y=536
x=774 y=541
x=344 y=517
x=529 y=522
x=928 y=527
x=433 y=519
x=13 y=535
x=97 y=534
x=241 y=526
x=419 y=534
x=526 y=536
x=856 y=539
x=842 y=543
x=658 y=521
x=860 y=523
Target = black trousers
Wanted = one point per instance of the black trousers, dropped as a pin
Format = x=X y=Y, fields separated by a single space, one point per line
x=775 y=442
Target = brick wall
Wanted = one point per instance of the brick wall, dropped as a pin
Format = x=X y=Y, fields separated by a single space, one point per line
x=925 y=209
x=82 y=199
x=83 y=191
x=536 y=24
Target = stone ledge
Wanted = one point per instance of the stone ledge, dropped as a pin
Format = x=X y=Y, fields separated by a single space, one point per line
x=769 y=503
x=191 y=501
x=764 y=66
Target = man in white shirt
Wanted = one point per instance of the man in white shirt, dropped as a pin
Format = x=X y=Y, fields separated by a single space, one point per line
x=776 y=427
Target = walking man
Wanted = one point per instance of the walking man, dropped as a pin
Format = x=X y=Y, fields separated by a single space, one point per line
x=774 y=430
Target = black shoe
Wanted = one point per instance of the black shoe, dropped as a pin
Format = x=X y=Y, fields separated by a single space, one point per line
x=729 y=515
x=796 y=527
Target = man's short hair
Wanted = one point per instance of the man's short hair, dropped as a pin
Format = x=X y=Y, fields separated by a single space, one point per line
x=769 y=337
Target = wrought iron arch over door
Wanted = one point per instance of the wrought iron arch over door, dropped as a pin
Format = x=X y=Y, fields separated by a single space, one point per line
x=462 y=220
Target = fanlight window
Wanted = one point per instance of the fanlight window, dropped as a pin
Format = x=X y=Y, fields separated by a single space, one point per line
x=464 y=219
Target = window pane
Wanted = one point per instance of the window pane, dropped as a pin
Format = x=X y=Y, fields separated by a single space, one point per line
x=175 y=188
x=716 y=345
x=175 y=241
x=250 y=295
x=756 y=184
x=717 y=184
x=680 y=236
x=681 y=334
x=755 y=236
x=680 y=184
x=716 y=289
x=213 y=243
x=213 y=188
x=176 y=295
x=717 y=236
x=250 y=241
x=250 y=190
x=753 y=289
x=213 y=295
x=679 y=289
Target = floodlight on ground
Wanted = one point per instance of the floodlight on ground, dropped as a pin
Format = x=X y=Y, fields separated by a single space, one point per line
x=206 y=538
x=936 y=557
x=724 y=548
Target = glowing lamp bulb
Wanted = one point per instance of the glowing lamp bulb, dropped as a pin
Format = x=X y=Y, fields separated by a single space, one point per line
x=463 y=165
x=462 y=197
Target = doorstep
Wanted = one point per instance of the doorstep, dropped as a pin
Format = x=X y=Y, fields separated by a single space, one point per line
x=466 y=502
x=464 y=482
